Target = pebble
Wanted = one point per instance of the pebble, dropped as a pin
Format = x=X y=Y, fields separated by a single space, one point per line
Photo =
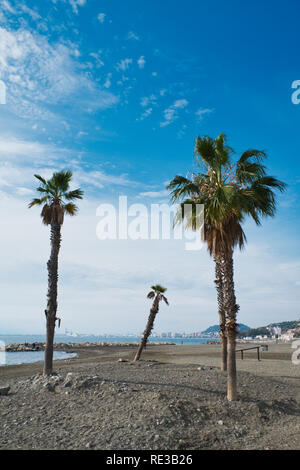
x=4 y=390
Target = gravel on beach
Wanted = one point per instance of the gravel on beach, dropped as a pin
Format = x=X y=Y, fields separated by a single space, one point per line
x=118 y=404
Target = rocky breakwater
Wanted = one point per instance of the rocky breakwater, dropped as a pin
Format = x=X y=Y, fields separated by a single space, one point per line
x=69 y=346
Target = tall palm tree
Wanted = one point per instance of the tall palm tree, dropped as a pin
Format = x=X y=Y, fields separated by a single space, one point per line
x=157 y=292
x=230 y=191
x=219 y=237
x=56 y=199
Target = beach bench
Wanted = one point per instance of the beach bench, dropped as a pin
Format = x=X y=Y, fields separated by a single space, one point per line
x=247 y=349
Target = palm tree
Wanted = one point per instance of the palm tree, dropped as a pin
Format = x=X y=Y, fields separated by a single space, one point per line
x=157 y=292
x=56 y=199
x=219 y=237
x=229 y=191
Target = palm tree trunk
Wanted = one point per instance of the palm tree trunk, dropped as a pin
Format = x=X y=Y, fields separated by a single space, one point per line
x=223 y=338
x=231 y=308
x=149 y=328
x=50 y=312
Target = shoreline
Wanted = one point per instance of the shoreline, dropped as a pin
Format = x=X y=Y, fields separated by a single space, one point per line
x=63 y=346
x=206 y=354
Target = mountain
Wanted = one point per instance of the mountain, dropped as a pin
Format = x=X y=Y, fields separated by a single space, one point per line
x=215 y=329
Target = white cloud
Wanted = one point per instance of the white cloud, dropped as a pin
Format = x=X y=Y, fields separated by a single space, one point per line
x=202 y=112
x=34 y=15
x=12 y=148
x=39 y=74
x=155 y=194
x=99 y=178
x=101 y=17
x=146 y=100
x=107 y=83
x=7 y=6
x=77 y=3
x=145 y=114
x=180 y=103
x=24 y=191
x=141 y=62
x=97 y=57
x=123 y=64
x=171 y=113
x=132 y=35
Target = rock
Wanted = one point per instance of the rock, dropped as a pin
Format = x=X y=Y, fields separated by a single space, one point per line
x=156 y=437
x=4 y=390
x=49 y=386
x=122 y=360
x=68 y=383
x=220 y=422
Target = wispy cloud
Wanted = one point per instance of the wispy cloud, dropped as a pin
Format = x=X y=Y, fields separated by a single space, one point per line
x=132 y=35
x=145 y=114
x=123 y=64
x=107 y=83
x=101 y=17
x=154 y=194
x=141 y=62
x=97 y=57
x=171 y=113
x=146 y=100
x=202 y=112
x=77 y=3
x=39 y=75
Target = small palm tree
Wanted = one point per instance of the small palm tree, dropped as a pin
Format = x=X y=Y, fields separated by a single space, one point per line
x=56 y=199
x=229 y=191
x=157 y=292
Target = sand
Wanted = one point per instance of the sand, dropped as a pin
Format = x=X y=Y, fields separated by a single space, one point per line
x=175 y=398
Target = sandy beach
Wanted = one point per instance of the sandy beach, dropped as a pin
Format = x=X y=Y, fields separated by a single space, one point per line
x=174 y=398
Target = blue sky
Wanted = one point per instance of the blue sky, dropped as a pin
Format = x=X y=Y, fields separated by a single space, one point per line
x=118 y=91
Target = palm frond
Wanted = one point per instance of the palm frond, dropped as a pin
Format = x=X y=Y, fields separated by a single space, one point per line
x=205 y=150
x=56 y=191
x=41 y=179
x=151 y=295
x=158 y=288
x=181 y=187
x=75 y=194
x=37 y=201
x=222 y=151
x=60 y=180
x=71 y=209
x=259 y=155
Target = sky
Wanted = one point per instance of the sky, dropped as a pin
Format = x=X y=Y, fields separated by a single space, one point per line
x=117 y=92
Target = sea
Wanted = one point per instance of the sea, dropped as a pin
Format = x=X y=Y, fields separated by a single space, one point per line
x=23 y=357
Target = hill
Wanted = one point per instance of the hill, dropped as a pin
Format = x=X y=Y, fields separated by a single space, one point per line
x=215 y=329
x=285 y=326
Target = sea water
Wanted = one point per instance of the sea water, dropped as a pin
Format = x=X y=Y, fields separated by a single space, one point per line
x=25 y=357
